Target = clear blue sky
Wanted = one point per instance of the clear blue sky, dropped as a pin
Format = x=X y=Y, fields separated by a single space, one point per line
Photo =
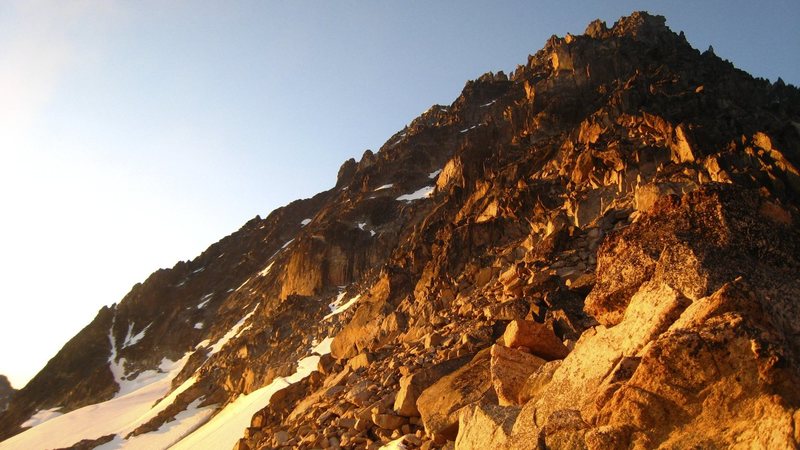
x=134 y=134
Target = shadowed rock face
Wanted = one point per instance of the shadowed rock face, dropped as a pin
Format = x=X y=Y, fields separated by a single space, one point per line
x=617 y=217
x=6 y=392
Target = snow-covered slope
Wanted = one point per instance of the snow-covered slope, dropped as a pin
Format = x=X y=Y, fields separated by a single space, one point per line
x=119 y=416
x=143 y=399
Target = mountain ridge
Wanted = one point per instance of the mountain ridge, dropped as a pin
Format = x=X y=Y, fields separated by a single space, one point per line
x=513 y=205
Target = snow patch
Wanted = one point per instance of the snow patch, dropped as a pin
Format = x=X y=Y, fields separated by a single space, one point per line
x=169 y=433
x=471 y=128
x=399 y=139
x=441 y=107
x=242 y=330
x=434 y=174
x=225 y=428
x=385 y=186
x=117 y=367
x=489 y=104
x=142 y=399
x=305 y=222
x=133 y=340
x=204 y=300
x=198 y=326
x=242 y=285
x=335 y=304
x=419 y=194
x=42 y=416
x=141 y=379
x=129 y=409
x=280 y=249
x=337 y=307
x=235 y=331
x=396 y=444
x=323 y=348
x=168 y=400
x=362 y=227
x=266 y=270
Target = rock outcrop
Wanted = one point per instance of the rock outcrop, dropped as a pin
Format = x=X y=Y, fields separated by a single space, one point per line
x=6 y=392
x=598 y=250
x=701 y=345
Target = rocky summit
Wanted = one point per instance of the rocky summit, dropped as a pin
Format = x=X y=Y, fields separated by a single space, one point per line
x=599 y=250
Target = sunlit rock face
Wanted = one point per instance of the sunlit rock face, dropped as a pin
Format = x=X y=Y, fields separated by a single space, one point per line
x=598 y=250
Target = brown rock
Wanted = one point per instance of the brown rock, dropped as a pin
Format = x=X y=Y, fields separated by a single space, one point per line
x=248 y=380
x=682 y=145
x=647 y=195
x=439 y=404
x=561 y=59
x=253 y=433
x=537 y=381
x=412 y=439
x=360 y=361
x=583 y=167
x=484 y=426
x=360 y=394
x=491 y=212
x=717 y=385
x=775 y=213
x=484 y=275
x=6 y=392
x=362 y=330
x=565 y=430
x=510 y=310
x=412 y=385
x=580 y=376
x=362 y=424
x=452 y=172
x=433 y=340
x=535 y=336
x=281 y=437
x=331 y=387
x=326 y=363
x=509 y=370
x=257 y=420
x=347 y=422
x=406 y=400
x=589 y=132
x=392 y=325
x=510 y=277
x=241 y=444
x=389 y=421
